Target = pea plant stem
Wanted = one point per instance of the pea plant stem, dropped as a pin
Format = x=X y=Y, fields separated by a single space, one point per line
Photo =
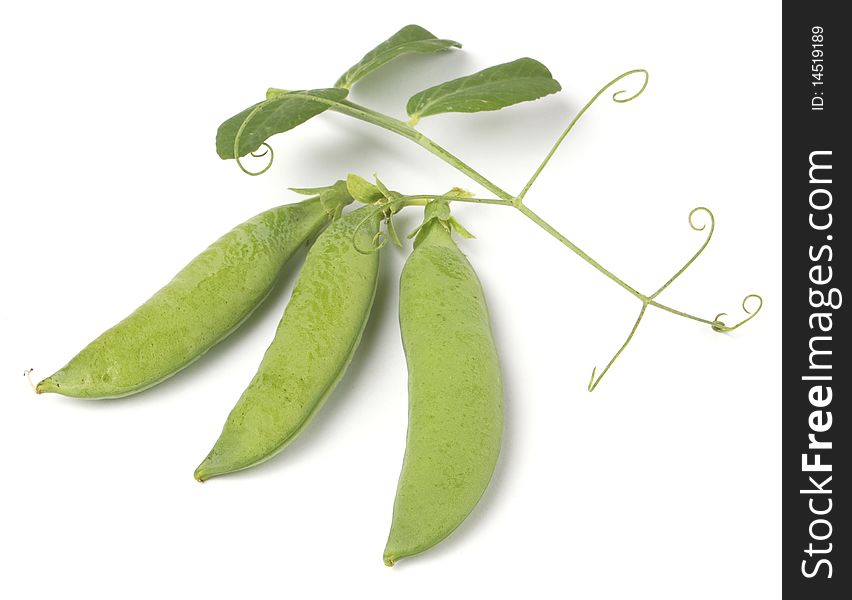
x=681 y=313
x=593 y=383
x=395 y=125
x=370 y=116
x=420 y=199
x=504 y=198
x=526 y=211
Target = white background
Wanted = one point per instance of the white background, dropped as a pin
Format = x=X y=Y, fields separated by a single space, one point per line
x=663 y=483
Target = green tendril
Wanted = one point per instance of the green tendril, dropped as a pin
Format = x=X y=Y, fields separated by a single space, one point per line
x=719 y=326
x=387 y=208
x=698 y=253
x=634 y=96
x=239 y=136
x=255 y=155
x=520 y=197
x=716 y=323
x=373 y=248
x=593 y=383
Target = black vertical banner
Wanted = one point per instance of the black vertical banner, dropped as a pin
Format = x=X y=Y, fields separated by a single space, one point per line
x=817 y=369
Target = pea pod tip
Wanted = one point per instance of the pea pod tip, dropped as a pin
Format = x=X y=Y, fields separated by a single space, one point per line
x=200 y=475
x=207 y=470
x=45 y=385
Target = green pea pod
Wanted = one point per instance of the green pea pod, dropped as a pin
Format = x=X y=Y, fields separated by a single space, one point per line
x=455 y=411
x=314 y=343
x=201 y=305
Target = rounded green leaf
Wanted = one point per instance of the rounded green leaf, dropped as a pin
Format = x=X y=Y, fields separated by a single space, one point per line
x=409 y=39
x=277 y=114
x=490 y=89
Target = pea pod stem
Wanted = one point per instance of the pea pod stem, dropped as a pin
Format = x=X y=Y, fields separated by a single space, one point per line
x=419 y=200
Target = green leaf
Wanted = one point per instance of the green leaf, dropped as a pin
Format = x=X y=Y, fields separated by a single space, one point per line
x=411 y=38
x=490 y=89
x=281 y=112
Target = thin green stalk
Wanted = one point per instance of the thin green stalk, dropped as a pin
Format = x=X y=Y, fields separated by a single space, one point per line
x=460 y=199
x=645 y=299
x=384 y=121
x=525 y=210
x=395 y=125
x=535 y=218
x=577 y=117
x=694 y=256
x=593 y=383
x=681 y=313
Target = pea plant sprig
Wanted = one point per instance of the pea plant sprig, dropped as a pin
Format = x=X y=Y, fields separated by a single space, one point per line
x=494 y=88
x=455 y=391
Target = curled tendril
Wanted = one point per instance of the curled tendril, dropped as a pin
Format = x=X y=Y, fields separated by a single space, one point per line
x=700 y=250
x=380 y=239
x=709 y=214
x=361 y=223
x=719 y=326
x=255 y=154
x=520 y=197
x=615 y=97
